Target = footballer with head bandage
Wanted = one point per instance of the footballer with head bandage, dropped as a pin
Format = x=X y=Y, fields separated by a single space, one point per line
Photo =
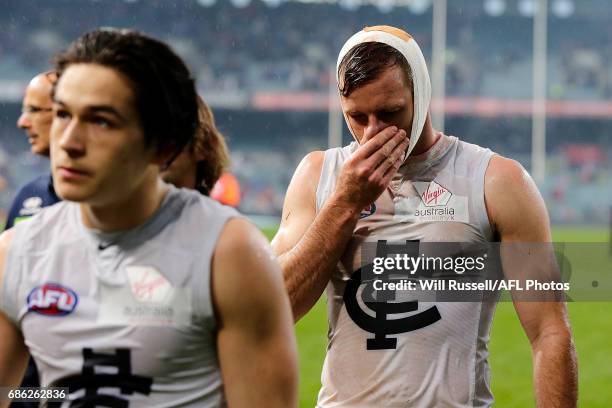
x=413 y=65
x=401 y=180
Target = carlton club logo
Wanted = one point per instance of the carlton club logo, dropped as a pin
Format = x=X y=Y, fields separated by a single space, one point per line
x=52 y=299
x=389 y=316
x=433 y=194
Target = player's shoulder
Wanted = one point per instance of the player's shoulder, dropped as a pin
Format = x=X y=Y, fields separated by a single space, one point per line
x=510 y=192
x=307 y=173
x=240 y=252
x=306 y=178
x=504 y=174
x=243 y=259
x=311 y=163
x=238 y=236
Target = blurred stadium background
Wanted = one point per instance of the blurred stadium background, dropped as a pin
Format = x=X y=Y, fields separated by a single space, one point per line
x=264 y=67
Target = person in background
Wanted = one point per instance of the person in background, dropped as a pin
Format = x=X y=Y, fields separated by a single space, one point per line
x=35 y=120
x=201 y=163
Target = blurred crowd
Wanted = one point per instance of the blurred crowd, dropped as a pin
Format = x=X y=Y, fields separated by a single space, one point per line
x=293 y=46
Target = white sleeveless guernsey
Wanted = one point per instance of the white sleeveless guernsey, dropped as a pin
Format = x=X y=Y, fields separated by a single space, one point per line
x=435 y=197
x=122 y=319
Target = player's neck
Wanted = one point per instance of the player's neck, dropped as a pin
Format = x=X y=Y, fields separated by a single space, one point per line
x=428 y=138
x=127 y=213
x=188 y=180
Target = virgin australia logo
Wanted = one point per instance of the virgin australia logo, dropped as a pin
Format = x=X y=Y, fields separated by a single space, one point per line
x=433 y=194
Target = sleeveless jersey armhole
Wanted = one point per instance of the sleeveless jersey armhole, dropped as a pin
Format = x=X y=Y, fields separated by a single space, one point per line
x=326 y=179
x=332 y=165
x=484 y=222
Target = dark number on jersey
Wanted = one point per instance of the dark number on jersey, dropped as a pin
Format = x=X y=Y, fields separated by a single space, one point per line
x=383 y=306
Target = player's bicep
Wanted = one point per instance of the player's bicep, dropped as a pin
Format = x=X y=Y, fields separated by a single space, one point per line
x=299 y=208
x=519 y=215
x=256 y=341
x=514 y=203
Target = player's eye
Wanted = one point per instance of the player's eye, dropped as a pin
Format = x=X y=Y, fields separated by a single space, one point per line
x=62 y=114
x=359 y=118
x=101 y=122
x=386 y=114
x=31 y=109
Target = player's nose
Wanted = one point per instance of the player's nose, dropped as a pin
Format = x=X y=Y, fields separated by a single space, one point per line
x=24 y=121
x=70 y=138
x=374 y=126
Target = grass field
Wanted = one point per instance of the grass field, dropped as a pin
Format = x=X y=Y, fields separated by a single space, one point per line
x=510 y=352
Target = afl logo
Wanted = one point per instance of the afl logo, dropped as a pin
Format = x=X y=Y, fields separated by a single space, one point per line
x=369 y=210
x=52 y=299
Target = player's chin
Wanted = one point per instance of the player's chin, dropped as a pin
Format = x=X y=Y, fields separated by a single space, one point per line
x=39 y=149
x=71 y=192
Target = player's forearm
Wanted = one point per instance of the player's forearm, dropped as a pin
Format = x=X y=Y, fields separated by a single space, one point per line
x=555 y=371
x=307 y=267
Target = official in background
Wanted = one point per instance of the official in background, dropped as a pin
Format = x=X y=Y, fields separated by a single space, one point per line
x=35 y=120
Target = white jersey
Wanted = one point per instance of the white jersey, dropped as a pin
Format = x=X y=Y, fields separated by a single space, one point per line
x=122 y=319
x=440 y=357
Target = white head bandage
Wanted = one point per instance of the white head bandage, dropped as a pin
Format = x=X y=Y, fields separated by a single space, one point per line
x=404 y=43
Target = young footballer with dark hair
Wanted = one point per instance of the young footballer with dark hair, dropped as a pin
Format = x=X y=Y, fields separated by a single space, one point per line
x=132 y=292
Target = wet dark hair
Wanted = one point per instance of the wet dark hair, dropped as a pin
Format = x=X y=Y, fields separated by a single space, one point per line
x=366 y=62
x=165 y=92
x=210 y=141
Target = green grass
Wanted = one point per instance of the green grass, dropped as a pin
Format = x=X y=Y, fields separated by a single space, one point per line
x=510 y=352
x=511 y=356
